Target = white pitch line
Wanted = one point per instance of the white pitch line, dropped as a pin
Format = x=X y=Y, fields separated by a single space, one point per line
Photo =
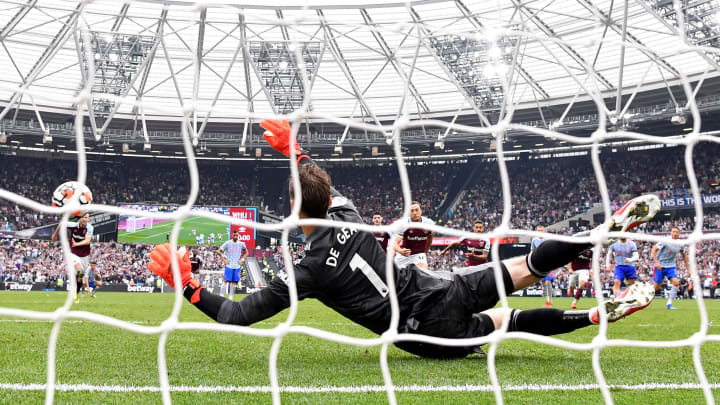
x=349 y=389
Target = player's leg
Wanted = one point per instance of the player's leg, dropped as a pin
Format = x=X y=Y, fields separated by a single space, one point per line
x=619 y=277
x=228 y=278
x=550 y=321
x=547 y=290
x=233 y=282
x=578 y=291
x=572 y=282
x=674 y=290
x=657 y=278
x=78 y=281
x=630 y=275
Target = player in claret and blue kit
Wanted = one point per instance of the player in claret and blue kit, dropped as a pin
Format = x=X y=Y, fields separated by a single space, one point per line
x=477 y=249
x=665 y=258
x=344 y=268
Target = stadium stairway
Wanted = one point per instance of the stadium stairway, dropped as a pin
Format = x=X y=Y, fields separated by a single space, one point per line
x=456 y=190
x=254 y=271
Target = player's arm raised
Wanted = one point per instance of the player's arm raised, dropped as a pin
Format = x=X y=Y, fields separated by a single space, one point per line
x=279 y=136
x=251 y=309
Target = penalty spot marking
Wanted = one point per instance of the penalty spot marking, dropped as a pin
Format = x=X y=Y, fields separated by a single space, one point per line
x=350 y=389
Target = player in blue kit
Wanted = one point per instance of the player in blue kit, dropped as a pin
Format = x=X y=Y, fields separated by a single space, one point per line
x=665 y=257
x=626 y=254
x=233 y=254
x=548 y=280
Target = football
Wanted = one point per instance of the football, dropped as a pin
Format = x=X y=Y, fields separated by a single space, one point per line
x=64 y=193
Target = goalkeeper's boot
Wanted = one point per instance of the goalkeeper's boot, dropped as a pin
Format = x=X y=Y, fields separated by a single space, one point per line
x=635 y=212
x=633 y=299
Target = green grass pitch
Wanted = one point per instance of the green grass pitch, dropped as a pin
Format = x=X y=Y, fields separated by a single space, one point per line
x=158 y=233
x=99 y=355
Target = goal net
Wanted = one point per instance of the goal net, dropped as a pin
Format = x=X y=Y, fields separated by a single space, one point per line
x=134 y=224
x=495 y=57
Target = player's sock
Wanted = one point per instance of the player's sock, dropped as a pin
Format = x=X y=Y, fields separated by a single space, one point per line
x=552 y=254
x=672 y=295
x=232 y=291
x=578 y=294
x=548 y=321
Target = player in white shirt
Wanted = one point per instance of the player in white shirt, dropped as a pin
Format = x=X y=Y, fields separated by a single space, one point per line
x=233 y=254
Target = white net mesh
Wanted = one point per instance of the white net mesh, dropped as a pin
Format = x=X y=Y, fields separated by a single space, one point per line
x=514 y=24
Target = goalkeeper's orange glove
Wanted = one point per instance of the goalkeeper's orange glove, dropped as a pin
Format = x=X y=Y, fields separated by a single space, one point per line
x=161 y=264
x=279 y=136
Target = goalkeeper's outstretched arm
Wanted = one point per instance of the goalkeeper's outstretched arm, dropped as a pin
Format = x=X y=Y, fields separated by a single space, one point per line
x=253 y=308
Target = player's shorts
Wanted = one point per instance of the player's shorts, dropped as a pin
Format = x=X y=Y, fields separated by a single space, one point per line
x=660 y=274
x=456 y=313
x=404 y=261
x=232 y=275
x=579 y=276
x=550 y=277
x=91 y=283
x=84 y=262
x=623 y=272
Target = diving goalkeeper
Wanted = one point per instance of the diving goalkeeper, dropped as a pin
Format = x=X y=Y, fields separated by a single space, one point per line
x=344 y=268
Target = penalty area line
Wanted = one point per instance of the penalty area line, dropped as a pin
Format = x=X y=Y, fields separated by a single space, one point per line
x=350 y=389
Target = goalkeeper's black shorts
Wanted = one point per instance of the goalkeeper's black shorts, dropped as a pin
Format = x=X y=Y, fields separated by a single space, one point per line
x=457 y=313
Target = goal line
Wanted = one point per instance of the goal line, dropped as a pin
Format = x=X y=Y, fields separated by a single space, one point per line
x=266 y=389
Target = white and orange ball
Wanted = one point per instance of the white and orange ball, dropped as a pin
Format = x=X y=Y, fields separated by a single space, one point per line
x=64 y=193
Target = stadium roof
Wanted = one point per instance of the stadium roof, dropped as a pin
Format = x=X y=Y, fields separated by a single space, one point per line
x=357 y=56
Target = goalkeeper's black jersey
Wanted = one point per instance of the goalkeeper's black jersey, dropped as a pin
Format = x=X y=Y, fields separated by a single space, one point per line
x=345 y=269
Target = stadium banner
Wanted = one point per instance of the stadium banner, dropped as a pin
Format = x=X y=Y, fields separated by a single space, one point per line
x=247 y=235
x=442 y=241
x=557 y=292
x=45 y=286
x=707 y=200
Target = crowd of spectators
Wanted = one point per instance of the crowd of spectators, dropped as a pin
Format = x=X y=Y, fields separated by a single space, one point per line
x=120 y=182
x=543 y=191
x=547 y=191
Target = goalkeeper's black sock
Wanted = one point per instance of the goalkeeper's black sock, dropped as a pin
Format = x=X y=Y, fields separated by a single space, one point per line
x=548 y=321
x=553 y=254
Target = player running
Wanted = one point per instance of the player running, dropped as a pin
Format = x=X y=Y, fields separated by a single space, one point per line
x=579 y=275
x=626 y=254
x=81 y=233
x=382 y=237
x=345 y=269
x=233 y=255
x=412 y=246
x=477 y=249
x=665 y=257
x=547 y=281
x=92 y=279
